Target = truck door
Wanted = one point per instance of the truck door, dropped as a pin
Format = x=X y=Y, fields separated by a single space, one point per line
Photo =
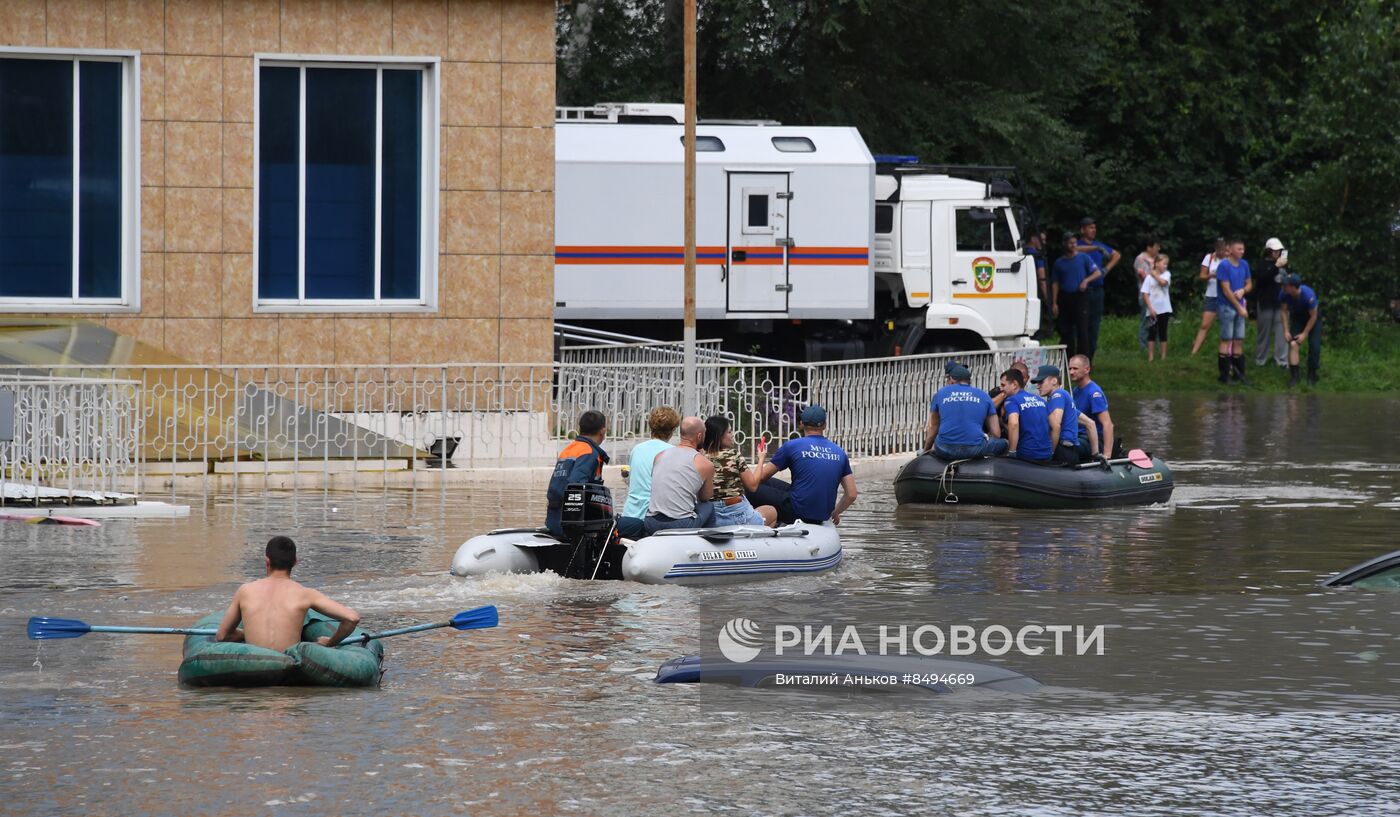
x=756 y=263
x=988 y=275
x=916 y=252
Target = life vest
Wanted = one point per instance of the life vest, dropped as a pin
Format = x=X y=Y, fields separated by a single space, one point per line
x=564 y=467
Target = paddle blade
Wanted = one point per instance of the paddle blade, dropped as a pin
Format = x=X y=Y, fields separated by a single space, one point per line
x=476 y=619
x=43 y=628
x=1140 y=458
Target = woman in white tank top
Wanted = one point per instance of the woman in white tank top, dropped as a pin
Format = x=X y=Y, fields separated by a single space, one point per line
x=1208 y=265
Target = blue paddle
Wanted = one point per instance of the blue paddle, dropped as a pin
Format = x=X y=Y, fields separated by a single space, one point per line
x=42 y=628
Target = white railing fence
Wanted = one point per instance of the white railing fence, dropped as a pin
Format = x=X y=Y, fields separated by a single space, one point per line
x=248 y=418
x=71 y=435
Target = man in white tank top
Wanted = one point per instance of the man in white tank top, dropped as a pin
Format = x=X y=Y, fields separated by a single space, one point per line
x=682 y=478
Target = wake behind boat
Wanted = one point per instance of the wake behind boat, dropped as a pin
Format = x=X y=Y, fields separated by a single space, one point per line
x=1138 y=479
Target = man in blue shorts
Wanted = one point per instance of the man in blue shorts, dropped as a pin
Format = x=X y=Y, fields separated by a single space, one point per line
x=818 y=467
x=1065 y=419
x=962 y=421
x=1090 y=400
x=1302 y=323
x=1071 y=276
x=1234 y=284
x=1027 y=420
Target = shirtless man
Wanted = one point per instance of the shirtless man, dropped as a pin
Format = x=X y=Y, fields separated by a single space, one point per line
x=273 y=609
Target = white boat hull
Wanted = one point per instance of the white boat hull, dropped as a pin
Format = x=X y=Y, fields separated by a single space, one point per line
x=727 y=555
x=733 y=554
x=501 y=551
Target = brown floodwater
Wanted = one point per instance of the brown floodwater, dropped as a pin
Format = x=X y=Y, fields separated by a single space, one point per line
x=555 y=711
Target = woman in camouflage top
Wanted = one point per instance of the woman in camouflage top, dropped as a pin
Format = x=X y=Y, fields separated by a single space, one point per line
x=733 y=475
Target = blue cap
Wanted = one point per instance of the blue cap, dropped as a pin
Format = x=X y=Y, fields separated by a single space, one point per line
x=1294 y=280
x=1044 y=372
x=958 y=372
x=950 y=366
x=814 y=415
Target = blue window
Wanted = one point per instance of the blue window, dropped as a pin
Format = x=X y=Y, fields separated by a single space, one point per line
x=344 y=174
x=67 y=186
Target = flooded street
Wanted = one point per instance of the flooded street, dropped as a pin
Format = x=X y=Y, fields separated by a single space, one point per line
x=555 y=711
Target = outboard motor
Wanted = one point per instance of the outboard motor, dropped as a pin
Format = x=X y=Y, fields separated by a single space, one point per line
x=589 y=529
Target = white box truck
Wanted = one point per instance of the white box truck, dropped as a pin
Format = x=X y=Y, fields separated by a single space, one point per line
x=803 y=250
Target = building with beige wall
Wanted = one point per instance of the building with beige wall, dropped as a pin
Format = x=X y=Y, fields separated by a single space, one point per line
x=293 y=182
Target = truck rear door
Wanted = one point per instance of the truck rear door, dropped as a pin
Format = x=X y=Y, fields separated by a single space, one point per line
x=756 y=265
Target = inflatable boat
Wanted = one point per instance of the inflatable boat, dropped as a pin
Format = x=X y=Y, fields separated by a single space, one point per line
x=211 y=663
x=725 y=555
x=1138 y=479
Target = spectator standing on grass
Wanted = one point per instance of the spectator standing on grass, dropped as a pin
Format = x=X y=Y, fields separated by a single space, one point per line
x=1208 y=308
x=1105 y=258
x=1302 y=323
x=1157 y=300
x=1142 y=265
x=1268 y=291
x=1071 y=277
x=1233 y=276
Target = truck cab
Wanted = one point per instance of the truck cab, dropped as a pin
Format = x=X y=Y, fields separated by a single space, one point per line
x=950 y=263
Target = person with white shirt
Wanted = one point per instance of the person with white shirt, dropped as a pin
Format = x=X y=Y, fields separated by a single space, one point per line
x=1208 y=265
x=1157 y=300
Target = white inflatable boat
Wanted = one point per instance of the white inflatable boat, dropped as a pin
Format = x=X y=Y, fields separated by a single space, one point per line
x=726 y=555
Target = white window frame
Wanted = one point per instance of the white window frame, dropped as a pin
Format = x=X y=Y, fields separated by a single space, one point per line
x=768 y=192
x=428 y=224
x=130 y=299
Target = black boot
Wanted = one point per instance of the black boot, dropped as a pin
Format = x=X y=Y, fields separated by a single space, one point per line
x=1312 y=377
x=1292 y=376
x=1224 y=363
x=1239 y=371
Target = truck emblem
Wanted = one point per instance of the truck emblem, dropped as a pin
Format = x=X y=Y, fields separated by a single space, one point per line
x=983 y=272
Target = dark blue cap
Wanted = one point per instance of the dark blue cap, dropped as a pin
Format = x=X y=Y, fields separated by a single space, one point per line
x=959 y=372
x=1044 y=372
x=814 y=415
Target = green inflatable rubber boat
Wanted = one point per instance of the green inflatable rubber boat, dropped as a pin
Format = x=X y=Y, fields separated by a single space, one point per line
x=210 y=663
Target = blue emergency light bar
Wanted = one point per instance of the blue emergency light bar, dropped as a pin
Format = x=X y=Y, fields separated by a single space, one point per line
x=895 y=159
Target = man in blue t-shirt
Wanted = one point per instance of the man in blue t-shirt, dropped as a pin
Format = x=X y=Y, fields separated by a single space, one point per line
x=1105 y=258
x=1235 y=283
x=962 y=420
x=1071 y=276
x=1065 y=419
x=818 y=466
x=1090 y=400
x=1027 y=420
x=1298 y=312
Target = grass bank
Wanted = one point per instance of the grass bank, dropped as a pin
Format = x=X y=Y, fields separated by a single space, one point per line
x=1366 y=359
